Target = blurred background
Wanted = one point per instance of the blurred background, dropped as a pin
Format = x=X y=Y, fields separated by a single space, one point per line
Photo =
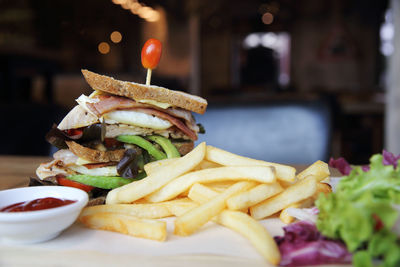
x=335 y=58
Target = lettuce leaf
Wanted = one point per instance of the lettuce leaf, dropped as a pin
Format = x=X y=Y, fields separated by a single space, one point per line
x=361 y=212
x=303 y=245
x=341 y=164
x=94 y=132
x=345 y=168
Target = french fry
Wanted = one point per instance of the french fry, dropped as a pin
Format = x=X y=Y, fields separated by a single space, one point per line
x=140 y=210
x=297 y=192
x=181 y=207
x=201 y=194
x=319 y=169
x=139 y=201
x=253 y=196
x=148 y=211
x=205 y=164
x=253 y=231
x=125 y=224
x=286 y=184
x=284 y=215
x=197 y=217
x=138 y=189
x=153 y=166
x=283 y=172
x=181 y=184
x=112 y=196
x=220 y=186
x=323 y=188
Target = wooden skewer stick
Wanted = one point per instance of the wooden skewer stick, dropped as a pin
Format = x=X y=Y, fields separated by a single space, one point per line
x=148 y=77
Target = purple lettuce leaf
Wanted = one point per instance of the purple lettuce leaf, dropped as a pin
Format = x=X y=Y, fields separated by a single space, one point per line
x=303 y=245
x=341 y=164
x=390 y=159
x=345 y=168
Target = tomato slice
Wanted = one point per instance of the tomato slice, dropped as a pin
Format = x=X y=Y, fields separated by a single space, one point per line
x=151 y=53
x=66 y=182
x=74 y=133
x=111 y=142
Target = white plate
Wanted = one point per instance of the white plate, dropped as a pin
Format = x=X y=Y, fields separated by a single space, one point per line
x=211 y=245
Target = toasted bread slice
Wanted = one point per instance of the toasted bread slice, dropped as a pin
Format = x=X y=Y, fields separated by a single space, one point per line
x=138 y=91
x=184 y=147
x=95 y=155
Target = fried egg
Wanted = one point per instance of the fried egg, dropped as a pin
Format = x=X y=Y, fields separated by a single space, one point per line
x=131 y=117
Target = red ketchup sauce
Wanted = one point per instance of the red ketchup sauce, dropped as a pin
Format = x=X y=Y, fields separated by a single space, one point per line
x=37 y=204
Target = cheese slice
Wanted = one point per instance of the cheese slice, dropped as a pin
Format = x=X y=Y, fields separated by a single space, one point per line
x=155 y=103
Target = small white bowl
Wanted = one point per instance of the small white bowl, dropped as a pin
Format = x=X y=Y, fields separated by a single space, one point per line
x=41 y=225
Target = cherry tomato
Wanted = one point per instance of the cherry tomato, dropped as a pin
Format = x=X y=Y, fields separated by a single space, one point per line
x=151 y=53
x=66 y=182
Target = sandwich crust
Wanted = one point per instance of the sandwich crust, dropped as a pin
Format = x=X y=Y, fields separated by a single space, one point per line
x=138 y=91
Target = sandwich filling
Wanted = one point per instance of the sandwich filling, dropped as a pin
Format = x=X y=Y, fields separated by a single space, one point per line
x=124 y=111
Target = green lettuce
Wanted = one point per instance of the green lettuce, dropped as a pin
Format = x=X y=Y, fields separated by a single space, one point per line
x=361 y=213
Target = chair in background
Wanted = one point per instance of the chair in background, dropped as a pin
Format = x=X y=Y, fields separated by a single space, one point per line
x=292 y=132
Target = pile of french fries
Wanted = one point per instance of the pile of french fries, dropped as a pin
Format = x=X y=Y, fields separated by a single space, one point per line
x=210 y=184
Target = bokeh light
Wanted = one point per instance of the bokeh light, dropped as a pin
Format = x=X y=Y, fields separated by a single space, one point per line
x=145 y=12
x=267 y=18
x=104 y=48
x=116 y=37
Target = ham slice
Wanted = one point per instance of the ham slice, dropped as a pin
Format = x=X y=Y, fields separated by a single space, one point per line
x=186 y=115
x=109 y=103
x=178 y=123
